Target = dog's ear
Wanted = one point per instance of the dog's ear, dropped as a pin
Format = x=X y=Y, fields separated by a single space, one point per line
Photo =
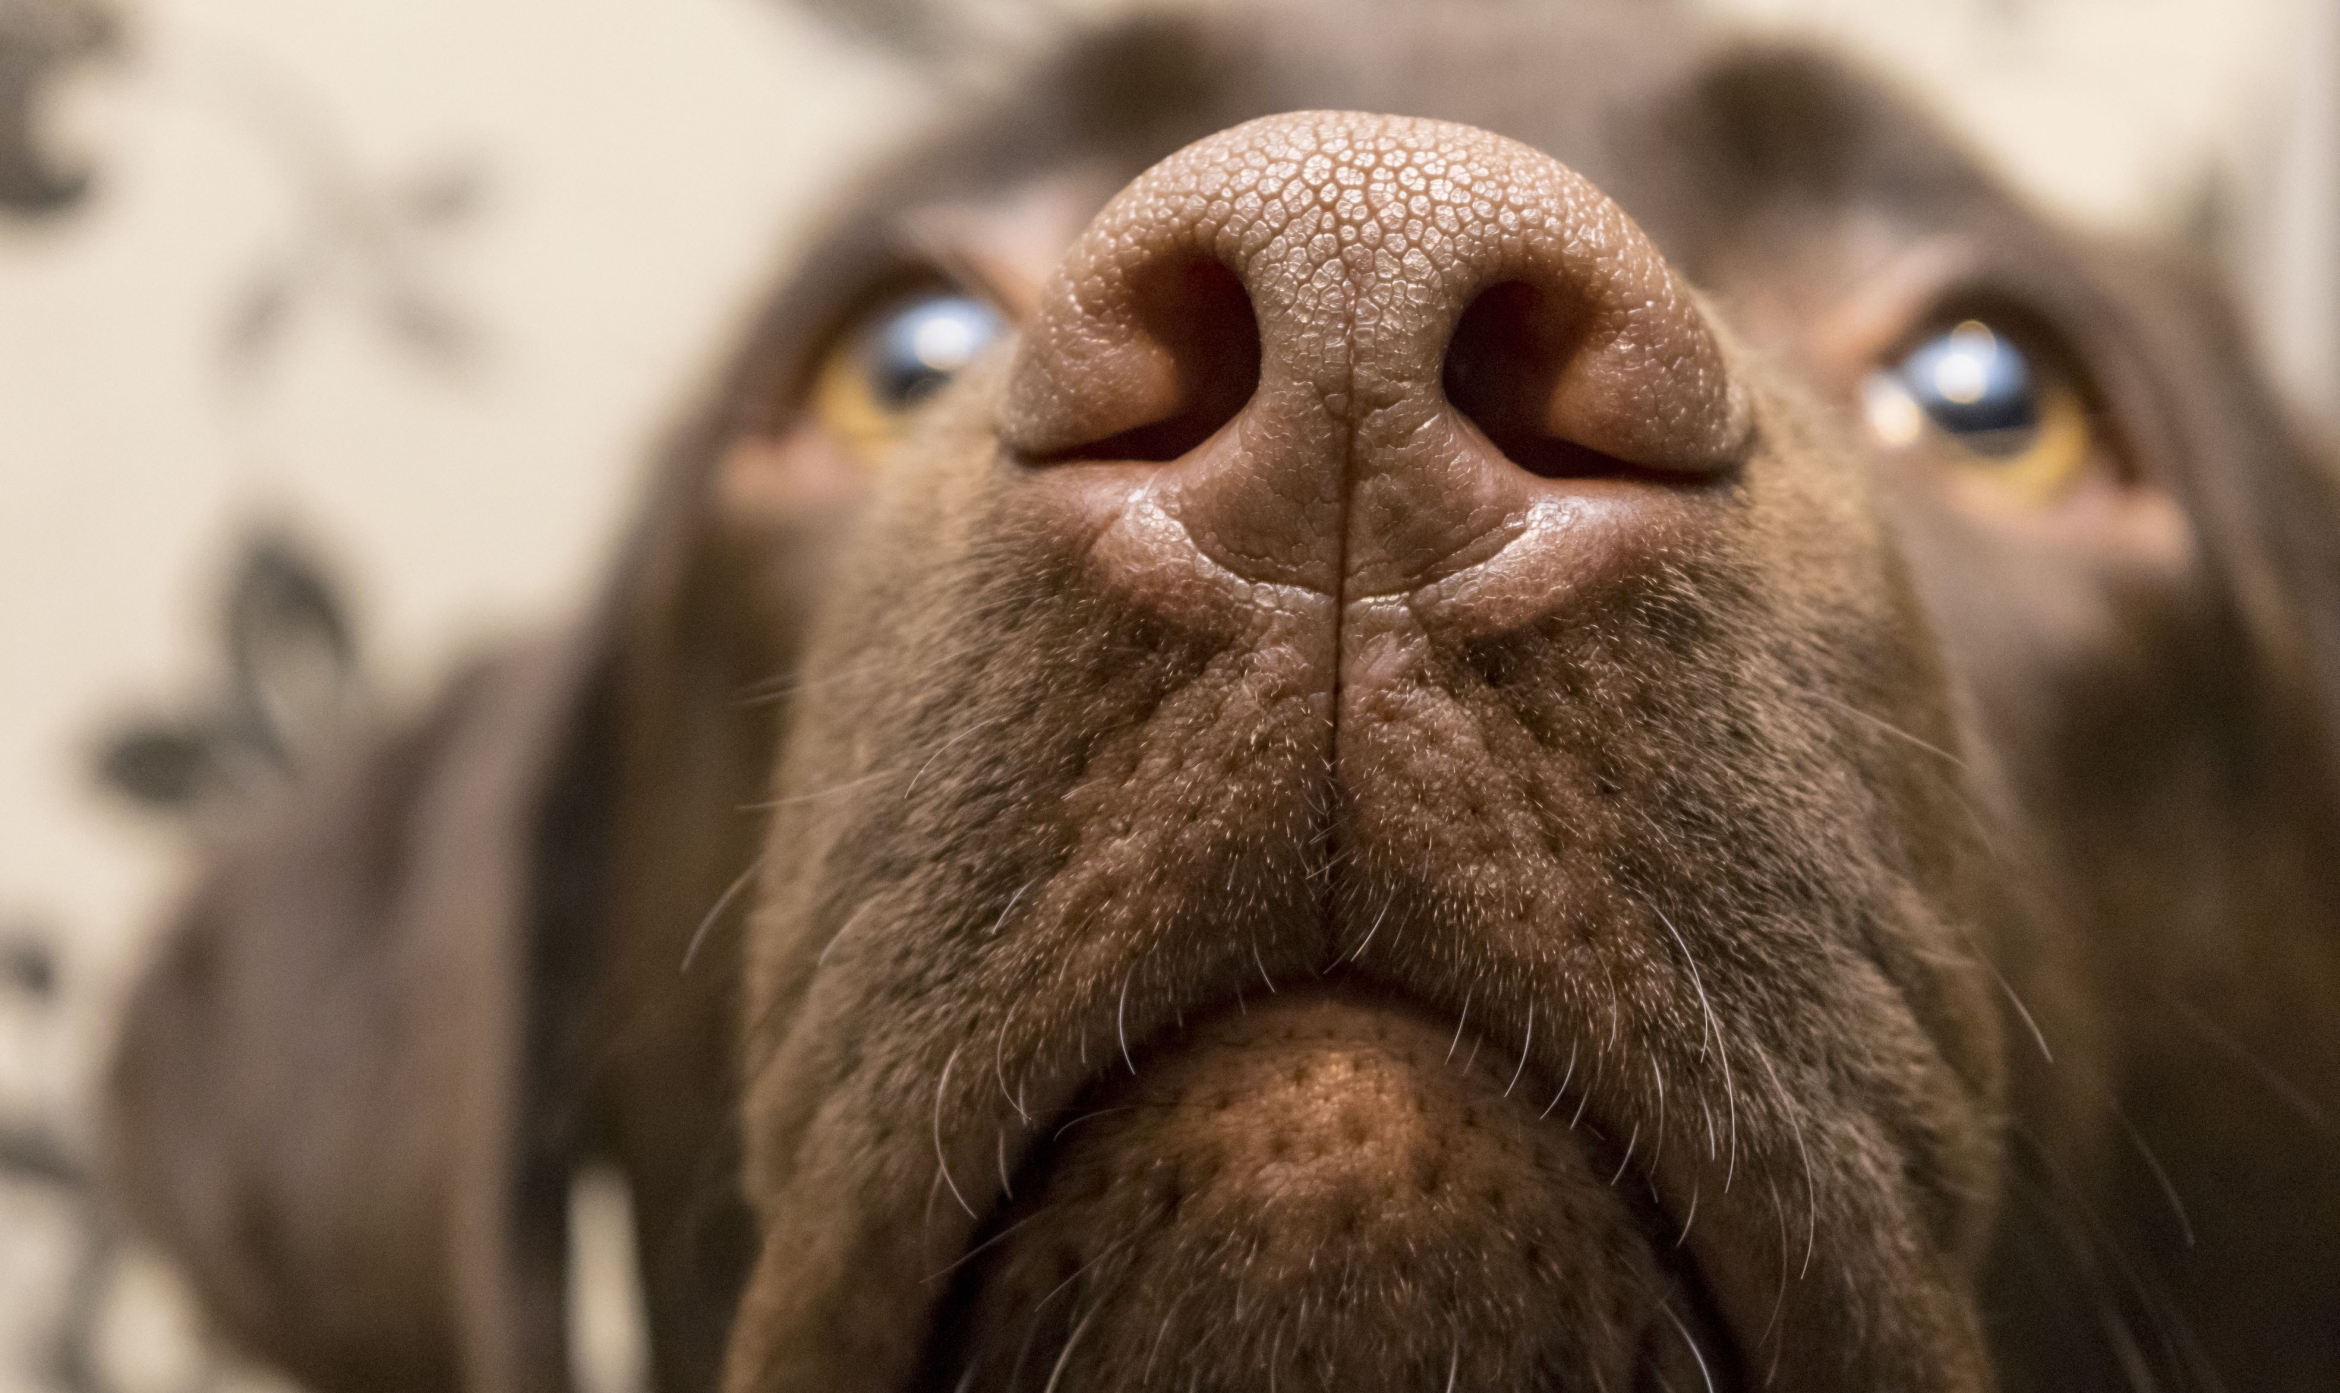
x=2261 y=486
x=469 y=931
x=325 y=1101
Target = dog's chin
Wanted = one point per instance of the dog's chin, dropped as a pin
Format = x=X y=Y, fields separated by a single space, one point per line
x=1314 y=1192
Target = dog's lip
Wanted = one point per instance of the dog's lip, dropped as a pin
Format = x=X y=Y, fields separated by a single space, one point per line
x=1569 y=1106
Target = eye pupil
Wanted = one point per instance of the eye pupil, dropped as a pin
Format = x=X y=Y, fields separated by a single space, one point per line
x=926 y=342
x=1976 y=387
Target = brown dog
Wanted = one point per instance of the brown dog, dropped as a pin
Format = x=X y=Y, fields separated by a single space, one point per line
x=1707 y=767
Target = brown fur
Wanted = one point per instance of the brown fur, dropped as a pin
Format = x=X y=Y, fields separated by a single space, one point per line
x=1917 y=916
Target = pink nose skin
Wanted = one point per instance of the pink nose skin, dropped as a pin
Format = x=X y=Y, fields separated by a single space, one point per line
x=1369 y=356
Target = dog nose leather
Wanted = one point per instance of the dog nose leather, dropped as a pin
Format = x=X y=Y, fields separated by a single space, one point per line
x=1351 y=352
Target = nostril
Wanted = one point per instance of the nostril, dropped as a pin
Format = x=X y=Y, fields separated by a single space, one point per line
x=1502 y=371
x=1199 y=315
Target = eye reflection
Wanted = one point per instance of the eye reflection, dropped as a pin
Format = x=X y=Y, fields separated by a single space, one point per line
x=892 y=358
x=1971 y=383
x=2000 y=418
x=924 y=343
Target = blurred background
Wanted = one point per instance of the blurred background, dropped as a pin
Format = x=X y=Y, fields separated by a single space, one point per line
x=391 y=295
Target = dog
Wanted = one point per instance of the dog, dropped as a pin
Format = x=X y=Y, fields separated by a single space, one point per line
x=1498 y=697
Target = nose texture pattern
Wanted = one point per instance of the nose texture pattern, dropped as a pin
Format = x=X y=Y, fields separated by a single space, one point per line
x=1361 y=241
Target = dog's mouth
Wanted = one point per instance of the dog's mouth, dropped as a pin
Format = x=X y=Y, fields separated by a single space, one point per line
x=1327 y=1191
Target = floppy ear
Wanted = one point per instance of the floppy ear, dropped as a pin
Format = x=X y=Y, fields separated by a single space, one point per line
x=446 y=967
x=322 y=1100
x=2263 y=491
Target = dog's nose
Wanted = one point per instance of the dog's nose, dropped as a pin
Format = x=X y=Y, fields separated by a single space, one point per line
x=1355 y=351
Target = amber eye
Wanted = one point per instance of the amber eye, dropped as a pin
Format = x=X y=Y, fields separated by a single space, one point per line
x=890 y=360
x=2003 y=417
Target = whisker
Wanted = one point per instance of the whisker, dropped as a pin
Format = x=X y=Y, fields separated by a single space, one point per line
x=1086 y=1117
x=2309 y=1110
x=941 y=1163
x=1001 y=921
x=842 y=930
x=819 y=793
x=1120 y=1027
x=722 y=902
x=999 y=1062
x=2160 y=1176
x=1704 y=1373
x=1369 y=933
x=1079 y=1329
x=972 y=1253
x=1658 y=1073
x=785 y=685
x=1627 y=1160
x=1721 y=1045
x=1458 y=1029
x=1795 y=1119
x=1779 y=1298
x=1169 y=1313
x=2038 y=1036
x=1562 y=1090
x=943 y=748
x=1888 y=727
x=1523 y=1052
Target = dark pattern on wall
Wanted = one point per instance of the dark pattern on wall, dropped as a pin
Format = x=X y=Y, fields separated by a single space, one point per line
x=32 y=1154
x=40 y=41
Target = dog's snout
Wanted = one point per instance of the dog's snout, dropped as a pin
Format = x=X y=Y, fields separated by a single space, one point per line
x=1361 y=343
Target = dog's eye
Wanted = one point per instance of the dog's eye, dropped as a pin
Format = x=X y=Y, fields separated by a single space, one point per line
x=2004 y=416
x=892 y=358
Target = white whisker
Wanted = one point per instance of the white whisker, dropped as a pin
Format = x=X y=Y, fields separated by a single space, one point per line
x=941 y=1163
x=819 y=793
x=999 y=1063
x=1889 y=728
x=1523 y=1052
x=945 y=746
x=1811 y=1187
x=1078 y=1330
x=1369 y=933
x=1695 y=1353
x=1627 y=1160
x=1779 y=1297
x=722 y=902
x=1562 y=1090
x=1010 y=908
x=1721 y=1044
x=1121 y=1029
